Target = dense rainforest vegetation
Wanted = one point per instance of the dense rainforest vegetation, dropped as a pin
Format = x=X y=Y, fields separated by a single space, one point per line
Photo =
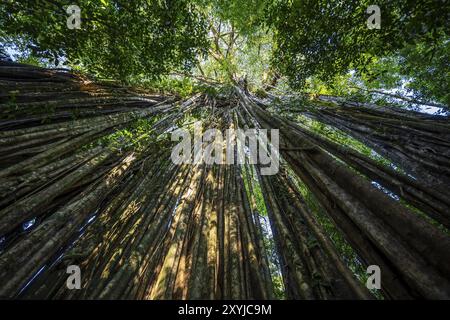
x=86 y=175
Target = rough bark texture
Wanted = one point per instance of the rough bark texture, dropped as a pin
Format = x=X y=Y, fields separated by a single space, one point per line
x=141 y=227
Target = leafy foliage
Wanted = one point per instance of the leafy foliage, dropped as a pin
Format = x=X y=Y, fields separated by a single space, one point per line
x=118 y=39
x=425 y=67
x=325 y=38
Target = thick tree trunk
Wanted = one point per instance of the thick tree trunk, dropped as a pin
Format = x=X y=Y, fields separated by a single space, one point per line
x=141 y=227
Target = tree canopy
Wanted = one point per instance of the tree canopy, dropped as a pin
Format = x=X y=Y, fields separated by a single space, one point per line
x=123 y=40
x=303 y=41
